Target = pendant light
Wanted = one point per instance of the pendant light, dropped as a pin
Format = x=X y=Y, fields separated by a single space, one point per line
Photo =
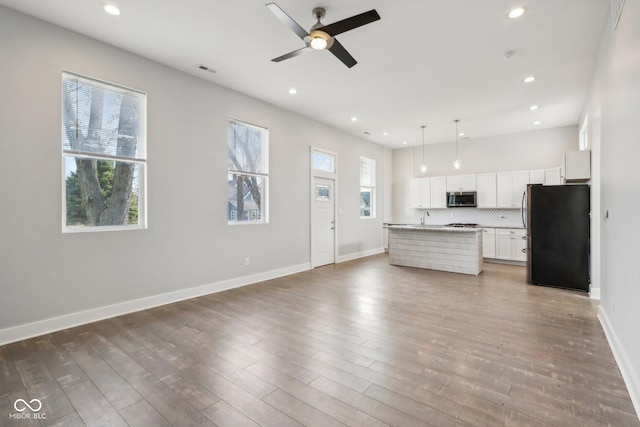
x=457 y=163
x=423 y=166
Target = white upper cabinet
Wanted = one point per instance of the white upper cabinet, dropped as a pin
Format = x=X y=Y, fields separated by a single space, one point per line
x=504 y=187
x=536 y=176
x=420 y=193
x=553 y=176
x=438 y=192
x=487 y=190
x=494 y=190
x=520 y=181
x=510 y=188
x=577 y=166
x=461 y=183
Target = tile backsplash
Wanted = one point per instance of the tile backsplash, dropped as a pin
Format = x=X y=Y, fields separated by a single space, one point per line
x=511 y=218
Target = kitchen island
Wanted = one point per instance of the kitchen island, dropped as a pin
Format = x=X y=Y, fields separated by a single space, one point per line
x=453 y=249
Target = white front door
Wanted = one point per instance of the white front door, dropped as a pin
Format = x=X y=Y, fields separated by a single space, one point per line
x=323 y=222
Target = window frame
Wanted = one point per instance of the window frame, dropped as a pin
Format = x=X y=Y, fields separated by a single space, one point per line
x=264 y=175
x=371 y=188
x=140 y=161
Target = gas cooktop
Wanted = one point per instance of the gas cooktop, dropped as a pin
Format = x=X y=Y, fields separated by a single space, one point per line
x=461 y=225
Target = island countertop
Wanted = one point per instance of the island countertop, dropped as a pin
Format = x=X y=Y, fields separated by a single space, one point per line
x=454 y=249
x=417 y=227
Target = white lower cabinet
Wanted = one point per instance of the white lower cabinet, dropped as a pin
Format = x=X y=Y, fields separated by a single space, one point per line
x=511 y=243
x=488 y=242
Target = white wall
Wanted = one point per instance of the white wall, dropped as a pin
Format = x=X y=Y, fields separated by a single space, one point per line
x=45 y=274
x=519 y=151
x=613 y=109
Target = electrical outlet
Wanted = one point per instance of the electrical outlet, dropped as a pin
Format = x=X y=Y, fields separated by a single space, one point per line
x=247 y=261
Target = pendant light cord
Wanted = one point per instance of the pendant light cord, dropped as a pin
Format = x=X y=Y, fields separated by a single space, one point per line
x=457 y=155
x=423 y=126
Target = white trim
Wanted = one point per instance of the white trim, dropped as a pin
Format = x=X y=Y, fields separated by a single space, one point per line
x=313 y=173
x=594 y=293
x=631 y=379
x=41 y=327
x=356 y=255
x=140 y=161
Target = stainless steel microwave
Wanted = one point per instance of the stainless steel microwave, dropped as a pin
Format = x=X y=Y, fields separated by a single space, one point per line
x=456 y=199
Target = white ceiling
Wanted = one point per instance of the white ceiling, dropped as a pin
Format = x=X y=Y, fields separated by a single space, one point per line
x=425 y=62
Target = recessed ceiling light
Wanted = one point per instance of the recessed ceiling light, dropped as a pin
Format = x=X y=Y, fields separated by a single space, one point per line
x=385 y=133
x=533 y=107
x=354 y=119
x=529 y=79
x=517 y=12
x=404 y=142
x=537 y=122
x=293 y=91
x=111 y=9
x=461 y=134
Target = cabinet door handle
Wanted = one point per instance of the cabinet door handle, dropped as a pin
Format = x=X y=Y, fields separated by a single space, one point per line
x=524 y=237
x=524 y=251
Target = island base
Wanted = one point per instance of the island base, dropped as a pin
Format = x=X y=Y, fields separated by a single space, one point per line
x=442 y=249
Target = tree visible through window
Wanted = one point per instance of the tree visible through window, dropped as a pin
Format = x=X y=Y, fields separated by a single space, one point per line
x=248 y=173
x=103 y=142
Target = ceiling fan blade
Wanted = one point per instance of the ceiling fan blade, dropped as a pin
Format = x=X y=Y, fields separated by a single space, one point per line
x=292 y=54
x=286 y=19
x=351 y=23
x=341 y=53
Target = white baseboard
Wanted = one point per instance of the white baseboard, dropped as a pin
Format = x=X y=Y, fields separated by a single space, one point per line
x=356 y=255
x=41 y=327
x=629 y=375
x=594 y=293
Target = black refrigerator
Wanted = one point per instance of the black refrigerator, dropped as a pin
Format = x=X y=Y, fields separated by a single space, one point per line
x=557 y=221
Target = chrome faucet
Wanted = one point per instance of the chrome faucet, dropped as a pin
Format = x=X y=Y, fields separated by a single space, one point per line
x=422 y=219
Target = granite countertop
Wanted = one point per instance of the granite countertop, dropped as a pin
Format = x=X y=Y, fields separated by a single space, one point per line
x=427 y=227
x=437 y=226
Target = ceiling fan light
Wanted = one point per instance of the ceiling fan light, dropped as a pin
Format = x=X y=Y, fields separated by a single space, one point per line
x=318 y=43
x=320 y=40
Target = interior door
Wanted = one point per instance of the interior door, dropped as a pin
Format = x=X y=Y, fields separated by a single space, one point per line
x=323 y=225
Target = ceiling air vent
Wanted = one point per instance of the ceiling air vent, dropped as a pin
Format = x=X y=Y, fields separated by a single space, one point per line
x=207 y=69
x=616 y=11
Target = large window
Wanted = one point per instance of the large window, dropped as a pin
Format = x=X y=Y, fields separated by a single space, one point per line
x=104 y=152
x=248 y=173
x=367 y=187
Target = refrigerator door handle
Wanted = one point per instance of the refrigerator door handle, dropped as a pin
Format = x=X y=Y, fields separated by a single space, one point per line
x=522 y=209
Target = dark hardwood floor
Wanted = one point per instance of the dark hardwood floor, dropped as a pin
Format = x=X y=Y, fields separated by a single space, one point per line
x=359 y=343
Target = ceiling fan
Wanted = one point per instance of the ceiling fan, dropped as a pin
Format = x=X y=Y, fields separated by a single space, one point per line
x=322 y=36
